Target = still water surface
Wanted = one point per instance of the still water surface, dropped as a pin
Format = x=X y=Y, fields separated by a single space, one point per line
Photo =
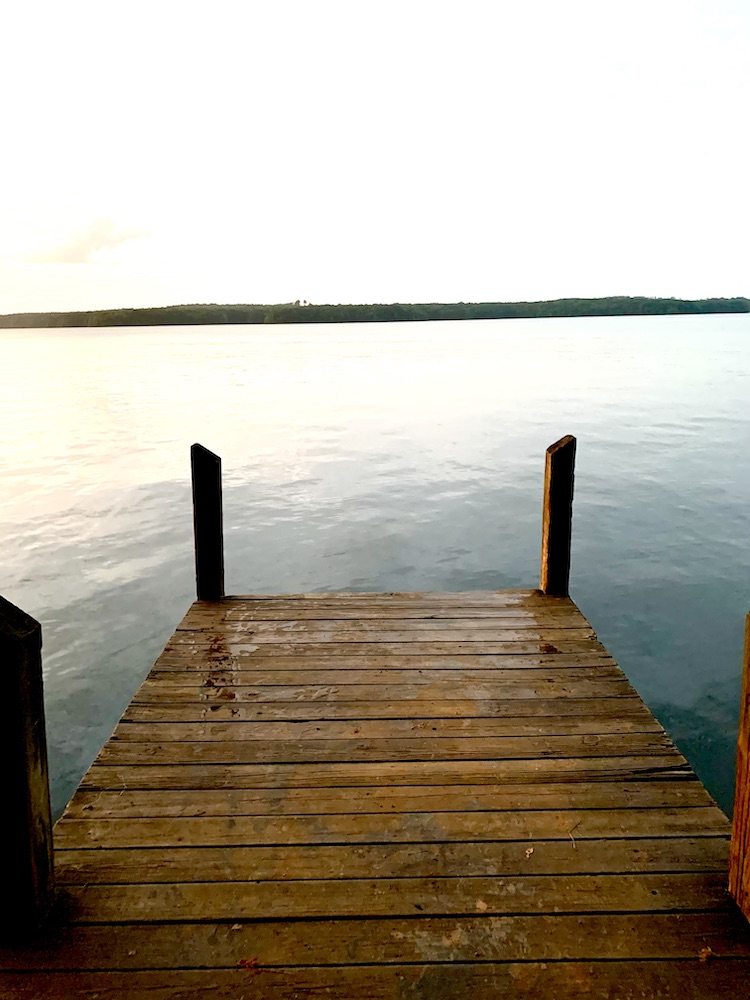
x=381 y=457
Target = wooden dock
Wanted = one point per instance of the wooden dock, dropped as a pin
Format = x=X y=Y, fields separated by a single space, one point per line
x=372 y=797
x=388 y=796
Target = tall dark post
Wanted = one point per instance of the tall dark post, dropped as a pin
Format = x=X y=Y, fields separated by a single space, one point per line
x=207 y=523
x=26 y=822
x=739 y=855
x=557 y=516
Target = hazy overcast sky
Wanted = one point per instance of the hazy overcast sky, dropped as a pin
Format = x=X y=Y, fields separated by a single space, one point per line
x=267 y=150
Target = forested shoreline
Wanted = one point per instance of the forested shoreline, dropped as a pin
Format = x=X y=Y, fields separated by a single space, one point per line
x=307 y=312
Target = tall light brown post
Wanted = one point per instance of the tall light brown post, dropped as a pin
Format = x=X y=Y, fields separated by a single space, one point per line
x=26 y=820
x=207 y=523
x=739 y=857
x=557 y=516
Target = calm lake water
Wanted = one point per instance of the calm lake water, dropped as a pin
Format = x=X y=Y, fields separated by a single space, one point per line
x=381 y=457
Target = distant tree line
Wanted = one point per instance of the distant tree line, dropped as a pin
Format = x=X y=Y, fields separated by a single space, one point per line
x=296 y=312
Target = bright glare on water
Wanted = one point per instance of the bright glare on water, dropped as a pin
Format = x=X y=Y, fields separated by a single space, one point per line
x=381 y=457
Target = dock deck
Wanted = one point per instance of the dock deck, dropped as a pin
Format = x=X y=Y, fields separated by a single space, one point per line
x=388 y=796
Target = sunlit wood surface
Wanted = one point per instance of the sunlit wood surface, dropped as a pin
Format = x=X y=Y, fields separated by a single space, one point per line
x=388 y=796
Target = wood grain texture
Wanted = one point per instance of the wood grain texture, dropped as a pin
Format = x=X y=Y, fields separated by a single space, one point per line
x=625 y=705
x=681 y=979
x=281 y=677
x=417 y=748
x=388 y=828
x=439 y=860
x=391 y=795
x=401 y=897
x=652 y=936
x=454 y=797
x=152 y=691
x=485 y=640
x=331 y=775
x=558 y=621
x=364 y=729
x=201 y=660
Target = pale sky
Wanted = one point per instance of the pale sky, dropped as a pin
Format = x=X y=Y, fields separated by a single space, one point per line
x=268 y=150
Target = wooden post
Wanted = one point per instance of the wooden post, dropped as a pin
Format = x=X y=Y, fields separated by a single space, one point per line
x=739 y=856
x=26 y=823
x=557 y=516
x=207 y=523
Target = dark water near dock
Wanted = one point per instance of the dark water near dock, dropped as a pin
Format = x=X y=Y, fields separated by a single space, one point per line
x=382 y=457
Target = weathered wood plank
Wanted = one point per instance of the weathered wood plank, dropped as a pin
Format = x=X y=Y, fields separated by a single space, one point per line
x=353 y=649
x=439 y=860
x=456 y=797
x=189 y=659
x=208 y=627
x=400 y=897
x=279 y=677
x=505 y=637
x=186 y=776
x=385 y=828
x=398 y=649
x=368 y=729
x=155 y=692
x=548 y=938
x=626 y=705
x=681 y=979
x=420 y=748
x=233 y=611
